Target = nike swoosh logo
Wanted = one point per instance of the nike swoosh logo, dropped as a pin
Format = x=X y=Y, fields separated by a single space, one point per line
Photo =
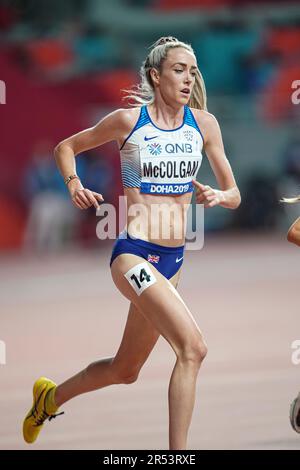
x=179 y=259
x=35 y=410
x=150 y=138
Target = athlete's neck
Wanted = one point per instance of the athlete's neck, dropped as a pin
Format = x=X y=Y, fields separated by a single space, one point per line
x=166 y=116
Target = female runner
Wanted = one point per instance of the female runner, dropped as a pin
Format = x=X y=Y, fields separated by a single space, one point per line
x=160 y=139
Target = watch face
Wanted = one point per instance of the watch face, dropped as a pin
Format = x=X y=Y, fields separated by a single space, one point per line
x=67 y=180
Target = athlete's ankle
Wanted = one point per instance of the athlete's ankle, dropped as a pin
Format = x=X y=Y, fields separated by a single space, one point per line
x=50 y=402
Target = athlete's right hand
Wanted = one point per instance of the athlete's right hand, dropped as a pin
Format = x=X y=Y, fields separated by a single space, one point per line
x=84 y=198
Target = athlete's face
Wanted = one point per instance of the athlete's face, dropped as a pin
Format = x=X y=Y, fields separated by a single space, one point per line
x=177 y=76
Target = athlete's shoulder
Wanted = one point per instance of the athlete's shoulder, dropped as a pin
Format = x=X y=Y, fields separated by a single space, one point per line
x=203 y=117
x=128 y=115
x=127 y=120
x=207 y=123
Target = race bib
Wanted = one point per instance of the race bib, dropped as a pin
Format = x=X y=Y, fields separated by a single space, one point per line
x=140 y=277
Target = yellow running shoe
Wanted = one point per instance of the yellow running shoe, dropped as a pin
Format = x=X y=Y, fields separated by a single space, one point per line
x=40 y=410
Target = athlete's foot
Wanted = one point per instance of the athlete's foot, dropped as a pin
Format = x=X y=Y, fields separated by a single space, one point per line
x=43 y=408
x=295 y=414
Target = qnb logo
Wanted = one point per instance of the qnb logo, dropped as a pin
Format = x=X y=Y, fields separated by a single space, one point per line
x=296 y=354
x=296 y=94
x=2 y=353
x=179 y=148
x=2 y=92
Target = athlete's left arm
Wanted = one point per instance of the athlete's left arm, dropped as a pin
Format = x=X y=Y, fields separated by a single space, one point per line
x=228 y=195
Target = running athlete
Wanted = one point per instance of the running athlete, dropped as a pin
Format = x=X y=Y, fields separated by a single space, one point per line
x=161 y=140
x=293 y=236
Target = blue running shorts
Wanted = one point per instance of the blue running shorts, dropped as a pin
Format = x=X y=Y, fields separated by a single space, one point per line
x=167 y=260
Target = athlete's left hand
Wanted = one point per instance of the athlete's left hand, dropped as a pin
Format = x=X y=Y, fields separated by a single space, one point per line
x=208 y=196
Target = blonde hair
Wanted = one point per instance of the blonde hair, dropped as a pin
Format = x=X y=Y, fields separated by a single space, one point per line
x=290 y=200
x=143 y=93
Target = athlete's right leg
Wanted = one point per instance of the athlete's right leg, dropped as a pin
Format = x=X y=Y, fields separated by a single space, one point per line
x=138 y=341
x=161 y=304
x=139 y=338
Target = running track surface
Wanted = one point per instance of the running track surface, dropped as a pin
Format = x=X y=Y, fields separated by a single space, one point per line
x=61 y=312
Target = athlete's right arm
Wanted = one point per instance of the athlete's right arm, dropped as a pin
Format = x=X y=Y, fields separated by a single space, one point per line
x=111 y=127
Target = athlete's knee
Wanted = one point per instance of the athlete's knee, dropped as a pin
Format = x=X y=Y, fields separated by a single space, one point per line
x=127 y=377
x=125 y=374
x=193 y=352
x=130 y=379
